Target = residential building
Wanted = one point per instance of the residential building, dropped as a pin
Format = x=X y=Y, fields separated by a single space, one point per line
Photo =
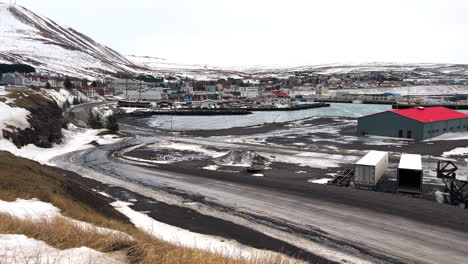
x=12 y=79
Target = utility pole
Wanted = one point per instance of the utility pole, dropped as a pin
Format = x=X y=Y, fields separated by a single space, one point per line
x=126 y=88
x=139 y=92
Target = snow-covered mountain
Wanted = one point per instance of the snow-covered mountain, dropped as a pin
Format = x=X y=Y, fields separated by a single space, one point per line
x=26 y=37
x=194 y=71
x=423 y=69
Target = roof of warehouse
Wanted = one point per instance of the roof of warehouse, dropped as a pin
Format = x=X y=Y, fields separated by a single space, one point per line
x=427 y=114
x=430 y=114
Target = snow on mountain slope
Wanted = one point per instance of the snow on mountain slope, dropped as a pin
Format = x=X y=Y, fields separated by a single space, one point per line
x=427 y=69
x=194 y=71
x=26 y=37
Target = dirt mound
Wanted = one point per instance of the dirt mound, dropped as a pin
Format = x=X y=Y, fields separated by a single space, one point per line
x=243 y=158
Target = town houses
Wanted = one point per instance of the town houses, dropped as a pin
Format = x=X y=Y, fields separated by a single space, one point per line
x=23 y=79
x=266 y=90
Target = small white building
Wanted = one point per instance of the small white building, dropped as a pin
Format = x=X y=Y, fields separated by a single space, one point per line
x=147 y=94
x=249 y=92
x=321 y=90
x=122 y=85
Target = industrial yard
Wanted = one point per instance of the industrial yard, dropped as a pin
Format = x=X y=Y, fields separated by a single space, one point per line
x=313 y=150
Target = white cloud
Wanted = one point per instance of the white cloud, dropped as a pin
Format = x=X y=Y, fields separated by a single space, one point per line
x=267 y=32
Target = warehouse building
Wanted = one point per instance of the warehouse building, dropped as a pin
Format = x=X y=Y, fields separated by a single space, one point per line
x=415 y=123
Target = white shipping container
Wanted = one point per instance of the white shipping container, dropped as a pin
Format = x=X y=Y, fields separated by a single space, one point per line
x=369 y=170
x=410 y=174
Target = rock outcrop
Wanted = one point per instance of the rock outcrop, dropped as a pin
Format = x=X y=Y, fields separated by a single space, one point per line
x=46 y=119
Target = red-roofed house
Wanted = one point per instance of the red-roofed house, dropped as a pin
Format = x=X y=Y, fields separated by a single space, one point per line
x=90 y=91
x=281 y=95
x=415 y=123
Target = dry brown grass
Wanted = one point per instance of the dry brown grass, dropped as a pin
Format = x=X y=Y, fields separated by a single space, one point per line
x=141 y=248
x=21 y=178
x=63 y=234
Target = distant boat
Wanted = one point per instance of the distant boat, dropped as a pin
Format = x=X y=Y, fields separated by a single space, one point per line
x=357 y=102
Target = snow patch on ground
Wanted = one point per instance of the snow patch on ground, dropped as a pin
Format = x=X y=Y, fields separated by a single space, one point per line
x=183 y=237
x=13 y=117
x=35 y=210
x=450 y=136
x=29 y=209
x=211 y=167
x=313 y=159
x=320 y=181
x=186 y=147
x=74 y=139
x=20 y=249
x=456 y=152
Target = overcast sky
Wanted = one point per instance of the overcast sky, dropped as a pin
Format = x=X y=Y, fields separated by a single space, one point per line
x=266 y=32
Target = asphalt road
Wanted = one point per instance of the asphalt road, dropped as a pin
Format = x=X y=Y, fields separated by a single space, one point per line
x=359 y=226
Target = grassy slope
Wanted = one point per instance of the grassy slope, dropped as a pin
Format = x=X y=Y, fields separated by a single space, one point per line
x=22 y=178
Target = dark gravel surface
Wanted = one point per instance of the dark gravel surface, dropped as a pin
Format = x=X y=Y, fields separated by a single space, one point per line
x=193 y=221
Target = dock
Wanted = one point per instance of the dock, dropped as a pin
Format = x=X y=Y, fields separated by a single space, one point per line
x=449 y=106
x=191 y=112
x=222 y=111
x=290 y=108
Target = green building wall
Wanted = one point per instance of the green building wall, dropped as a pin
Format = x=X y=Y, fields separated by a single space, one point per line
x=434 y=129
x=389 y=124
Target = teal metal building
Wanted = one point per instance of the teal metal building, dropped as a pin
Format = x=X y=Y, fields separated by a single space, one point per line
x=415 y=123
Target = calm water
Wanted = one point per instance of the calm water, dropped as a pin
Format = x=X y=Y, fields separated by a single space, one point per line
x=258 y=118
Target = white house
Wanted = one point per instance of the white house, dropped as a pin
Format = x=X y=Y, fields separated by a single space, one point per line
x=249 y=92
x=147 y=94
x=121 y=86
x=12 y=79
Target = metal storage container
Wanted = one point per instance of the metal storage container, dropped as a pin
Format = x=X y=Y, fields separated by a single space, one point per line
x=369 y=170
x=410 y=174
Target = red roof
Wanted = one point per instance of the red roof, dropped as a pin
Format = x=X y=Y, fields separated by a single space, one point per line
x=281 y=94
x=89 y=87
x=430 y=114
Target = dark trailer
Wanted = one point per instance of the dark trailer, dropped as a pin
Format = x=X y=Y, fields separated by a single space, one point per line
x=410 y=174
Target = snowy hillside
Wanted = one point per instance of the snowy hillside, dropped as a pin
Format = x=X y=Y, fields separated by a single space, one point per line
x=26 y=37
x=194 y=71
x=423 y=69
